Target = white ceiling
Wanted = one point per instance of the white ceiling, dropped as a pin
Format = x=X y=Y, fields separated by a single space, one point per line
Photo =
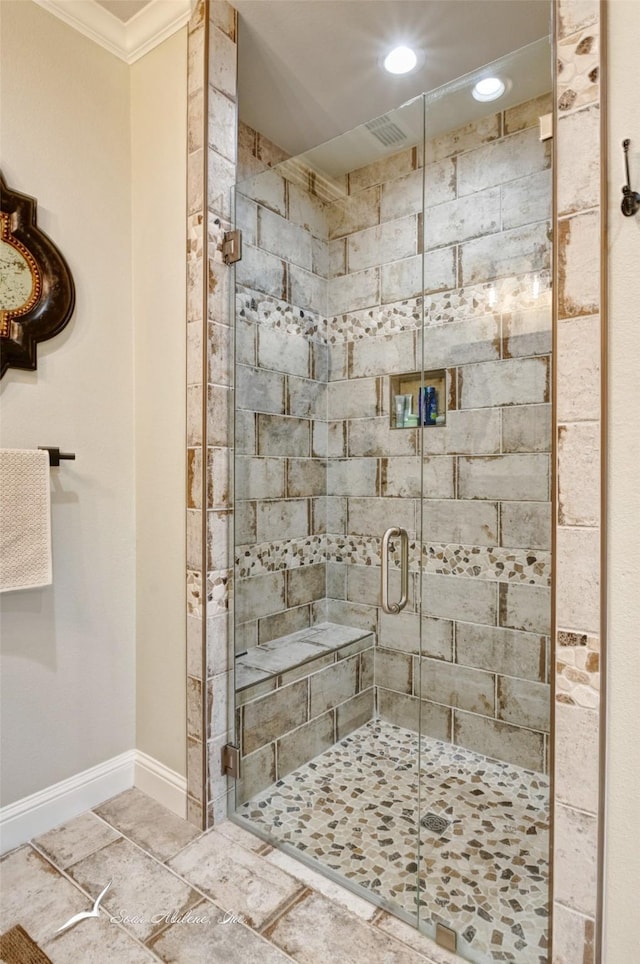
x=310 y=69
x=123 y=9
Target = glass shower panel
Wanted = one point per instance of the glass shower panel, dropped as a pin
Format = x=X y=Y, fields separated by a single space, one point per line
x=392 y=355
x=328 y=318
x=486 y=518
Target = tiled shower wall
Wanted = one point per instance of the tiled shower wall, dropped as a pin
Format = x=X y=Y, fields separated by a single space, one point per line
x=323 y=473
x=580 y=230
x=281 y=402
x=579 y=283
x=210 y=176
x=484 y=572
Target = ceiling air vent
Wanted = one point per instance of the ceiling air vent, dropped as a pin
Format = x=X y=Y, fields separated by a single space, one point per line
x=386 y=131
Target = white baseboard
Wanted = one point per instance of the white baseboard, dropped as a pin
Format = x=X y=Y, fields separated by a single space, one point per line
x=158 y=781
x=40 y=812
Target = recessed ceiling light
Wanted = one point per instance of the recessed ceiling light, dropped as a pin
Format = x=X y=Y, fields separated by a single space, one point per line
x=400 y=60
x=489 y=88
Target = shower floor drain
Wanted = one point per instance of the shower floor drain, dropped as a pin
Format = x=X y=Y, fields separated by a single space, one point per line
x=434 y=823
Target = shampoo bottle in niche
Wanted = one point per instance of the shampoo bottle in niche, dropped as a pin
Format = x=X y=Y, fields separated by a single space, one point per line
x=428 y=405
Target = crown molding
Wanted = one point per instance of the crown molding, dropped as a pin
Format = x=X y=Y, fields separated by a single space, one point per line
x=131 y=40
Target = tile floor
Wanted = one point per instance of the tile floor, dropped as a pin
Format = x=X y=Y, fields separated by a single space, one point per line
x=484 y=861
x=176 y=895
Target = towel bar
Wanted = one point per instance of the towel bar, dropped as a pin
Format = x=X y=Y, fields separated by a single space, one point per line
x=55 y=455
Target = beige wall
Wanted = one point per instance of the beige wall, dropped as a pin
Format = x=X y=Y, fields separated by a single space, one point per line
x=622 y=877
x=158 y=147
x=68 y=698
x=95 y=665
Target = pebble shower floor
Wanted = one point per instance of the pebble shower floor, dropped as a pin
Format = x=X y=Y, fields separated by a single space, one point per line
x=354 y=809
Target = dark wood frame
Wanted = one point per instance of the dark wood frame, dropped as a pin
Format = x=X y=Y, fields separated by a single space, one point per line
x=52 y=298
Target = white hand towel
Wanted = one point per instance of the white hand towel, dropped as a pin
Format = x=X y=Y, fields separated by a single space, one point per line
x=25 y=519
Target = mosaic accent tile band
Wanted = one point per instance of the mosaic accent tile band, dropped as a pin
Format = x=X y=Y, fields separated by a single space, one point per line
x=530 y=290
x=480 y=864
x=530 y=566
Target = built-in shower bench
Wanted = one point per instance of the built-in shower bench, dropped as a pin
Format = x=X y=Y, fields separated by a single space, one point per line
x=298 y=695
x=303 y=648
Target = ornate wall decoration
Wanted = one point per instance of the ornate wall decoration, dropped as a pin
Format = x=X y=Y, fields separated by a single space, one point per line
x=37 y=294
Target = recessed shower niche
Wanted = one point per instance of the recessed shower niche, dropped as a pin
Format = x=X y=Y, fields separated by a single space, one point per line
x=418 y=399
x=403 y=753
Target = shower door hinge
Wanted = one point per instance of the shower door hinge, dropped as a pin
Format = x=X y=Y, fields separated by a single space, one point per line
x=231 y=761
x=232 y=246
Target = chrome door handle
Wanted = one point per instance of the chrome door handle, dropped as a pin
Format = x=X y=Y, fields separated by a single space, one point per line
x=394 y=608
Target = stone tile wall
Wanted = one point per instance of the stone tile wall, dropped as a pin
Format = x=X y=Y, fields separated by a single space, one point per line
x=211 y=174
x=281 y=397
x=321 y=473
x=579 y=647
x=480 y=541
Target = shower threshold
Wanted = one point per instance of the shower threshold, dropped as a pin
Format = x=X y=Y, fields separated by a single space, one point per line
x=353 y=811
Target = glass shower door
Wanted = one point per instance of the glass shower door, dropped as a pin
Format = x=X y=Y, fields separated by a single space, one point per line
x=486 y=519
x=328 y=317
